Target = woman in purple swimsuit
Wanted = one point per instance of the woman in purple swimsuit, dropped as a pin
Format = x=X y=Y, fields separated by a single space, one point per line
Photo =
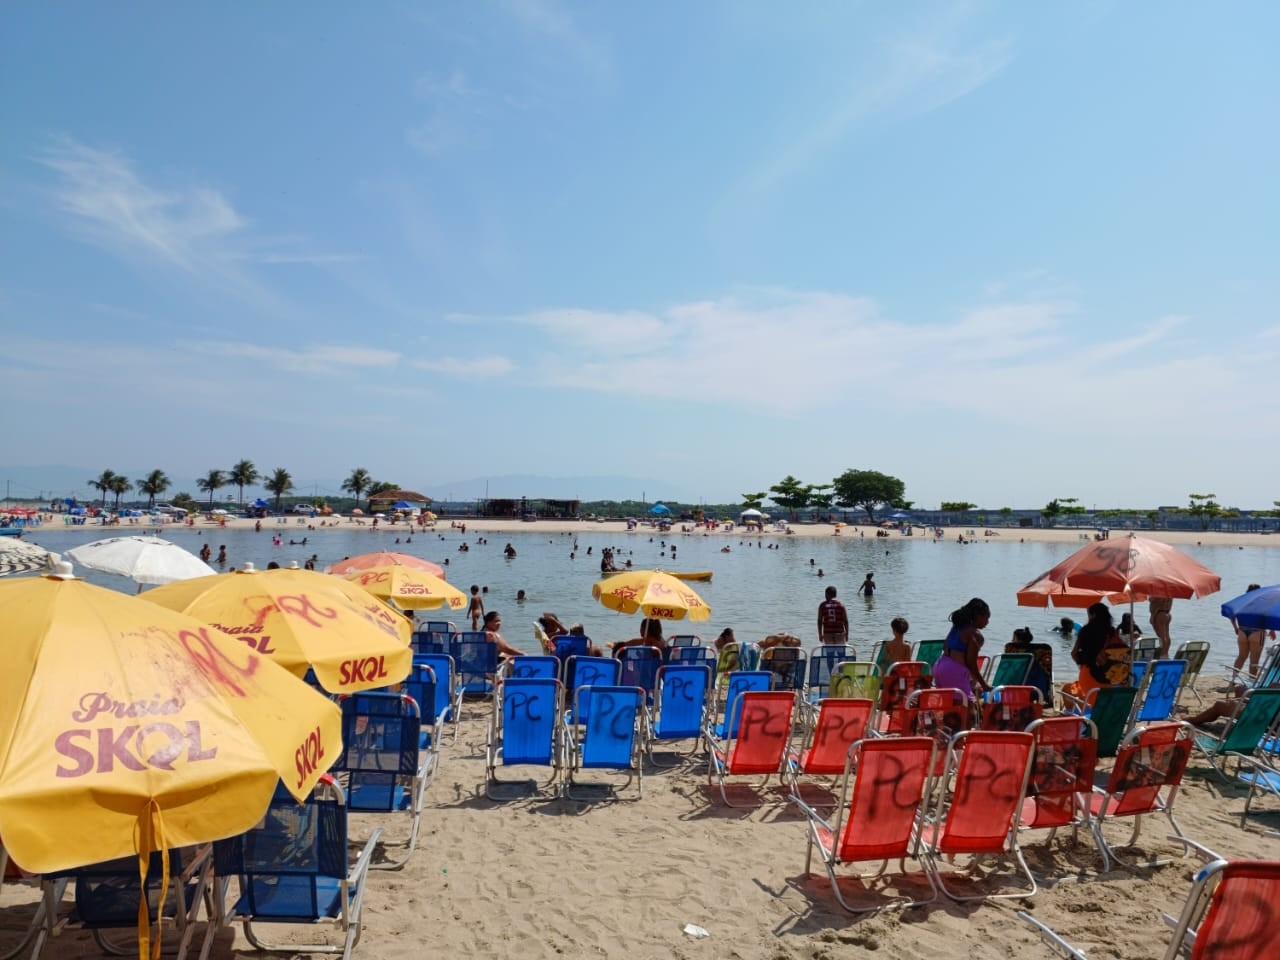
x=958 y=666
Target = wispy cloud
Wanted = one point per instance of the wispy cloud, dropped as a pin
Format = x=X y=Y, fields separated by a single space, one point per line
x=193 y=229
x=552 y=21
x=473 y=368
x=319 y=359
x=914 y=74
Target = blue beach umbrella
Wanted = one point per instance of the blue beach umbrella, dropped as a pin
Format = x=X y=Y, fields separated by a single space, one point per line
x=261 y=504
x=659 y=508
x=1256 y=610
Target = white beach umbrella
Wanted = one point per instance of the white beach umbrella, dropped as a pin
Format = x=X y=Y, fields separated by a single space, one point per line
x=18 y=556
x=142 y=559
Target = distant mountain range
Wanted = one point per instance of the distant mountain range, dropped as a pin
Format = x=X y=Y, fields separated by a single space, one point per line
x=48 y=482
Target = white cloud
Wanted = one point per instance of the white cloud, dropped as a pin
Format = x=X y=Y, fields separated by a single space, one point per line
x=551 y=20
x=474 y=368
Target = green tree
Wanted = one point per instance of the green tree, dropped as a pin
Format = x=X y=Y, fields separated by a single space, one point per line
x=1205 y=508
x=867 y=489
x=120 y=486
x=279 y=483
x=1052 y=510
x=1006 y=513
x=211 y=483
x=820 y=496
x=956 y=506
x=155 y=483
x=790 y=494
x=358 y=482
x=753 y=501
x=184 y=501
x=103 y=484
x=243 y=474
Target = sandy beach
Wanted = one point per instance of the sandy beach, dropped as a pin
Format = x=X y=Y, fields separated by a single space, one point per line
x=486 y=526
x=548 y=878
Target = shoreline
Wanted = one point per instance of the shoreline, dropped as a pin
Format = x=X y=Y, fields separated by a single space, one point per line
x=618 y=528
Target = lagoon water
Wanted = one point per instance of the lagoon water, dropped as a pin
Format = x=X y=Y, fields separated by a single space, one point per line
x=755 y=590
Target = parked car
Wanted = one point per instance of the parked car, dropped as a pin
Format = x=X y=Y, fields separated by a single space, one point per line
x=307 y=508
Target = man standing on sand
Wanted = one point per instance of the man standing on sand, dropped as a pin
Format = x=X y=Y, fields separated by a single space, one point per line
x=833 y=621
x=1160 y=610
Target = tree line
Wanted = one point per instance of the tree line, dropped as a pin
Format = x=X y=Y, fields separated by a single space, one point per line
x=278 y=482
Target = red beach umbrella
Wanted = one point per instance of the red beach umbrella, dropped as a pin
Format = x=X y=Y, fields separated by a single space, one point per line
x=1136 y=565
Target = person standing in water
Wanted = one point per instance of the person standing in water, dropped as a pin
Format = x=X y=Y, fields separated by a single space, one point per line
x=868 y=587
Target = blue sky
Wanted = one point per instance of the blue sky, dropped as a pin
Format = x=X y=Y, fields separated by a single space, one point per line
x=1004 y=251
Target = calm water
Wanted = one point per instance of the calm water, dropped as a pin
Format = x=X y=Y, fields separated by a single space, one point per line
x=755 y=590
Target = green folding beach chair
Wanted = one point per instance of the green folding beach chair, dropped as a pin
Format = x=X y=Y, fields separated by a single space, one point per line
x=1242 y=733
x=1109 y=709
x=1011 y=669
x=856 y=680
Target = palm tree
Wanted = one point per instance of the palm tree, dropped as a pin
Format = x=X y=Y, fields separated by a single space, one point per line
x=120 y=486
x=243 y=474
x=155 y=484
x=358 y=482
x=103 y=484
x=212 y=482
x=279 y=483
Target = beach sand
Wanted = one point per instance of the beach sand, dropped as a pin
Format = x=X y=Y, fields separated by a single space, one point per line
x=618 y=528
x=539 y=878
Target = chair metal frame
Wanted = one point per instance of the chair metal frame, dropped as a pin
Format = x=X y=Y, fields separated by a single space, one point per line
x=1195 y=652
x=953 y=792
x=833 y=837
x=998 y=706
x=823 y=660
x=495 y=742
x=351 y=888
x=1138 y=785
x=608 y=702
x=1064 y=761
x=408 y=781
x=674 y=682
x=749 y=712
x=789 y=666
x=448 y=691
x=899 y=682
x=840 y=723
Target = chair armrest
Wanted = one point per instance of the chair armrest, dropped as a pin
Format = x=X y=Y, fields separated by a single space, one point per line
x=358 y=869
x=1199 y=848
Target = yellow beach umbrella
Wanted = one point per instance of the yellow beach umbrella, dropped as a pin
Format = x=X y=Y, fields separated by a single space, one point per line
x=409 y=587
x=126 y=728
x=652 y=592
x=301 y=619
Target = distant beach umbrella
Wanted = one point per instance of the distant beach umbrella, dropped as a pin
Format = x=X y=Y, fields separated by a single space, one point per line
x=660 y=508
x=150 y=560
x=386 y=558
x=1136 y=565
x=408 y=588
x=19 y=556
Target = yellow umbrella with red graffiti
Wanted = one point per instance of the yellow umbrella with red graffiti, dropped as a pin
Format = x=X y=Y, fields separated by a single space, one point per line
x=652 y=592
x=126 y=728
x=408 y=588
x=302 y=619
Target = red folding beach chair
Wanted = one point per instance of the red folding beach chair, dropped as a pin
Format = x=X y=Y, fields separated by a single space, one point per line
x=758 y=740
x=900 y=680
x=938 y=712
x=841 y=723
x=884 y=783
x=1230 y=912
x=988 y=773
x=1011 y=708
x=1066 y=756
x=1145 y=779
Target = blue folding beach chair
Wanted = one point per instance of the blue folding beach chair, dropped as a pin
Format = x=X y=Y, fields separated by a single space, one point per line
x=382 y=763
x=640 y=668
x=682 y=704
x=1158 y=692
x=787 y=664
x=739 y=682
x=823 y=660
x=547 y=667
x=107 y=898
x=610 y=739
x=294 y=869
x=477 y=660
x=587 y=672
x=568 y=646
x=448 y=691
x=441 y=626
x=705 y=656
x=683 y=640
x=524 y=730
x=421 y=685
x=430 y=641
